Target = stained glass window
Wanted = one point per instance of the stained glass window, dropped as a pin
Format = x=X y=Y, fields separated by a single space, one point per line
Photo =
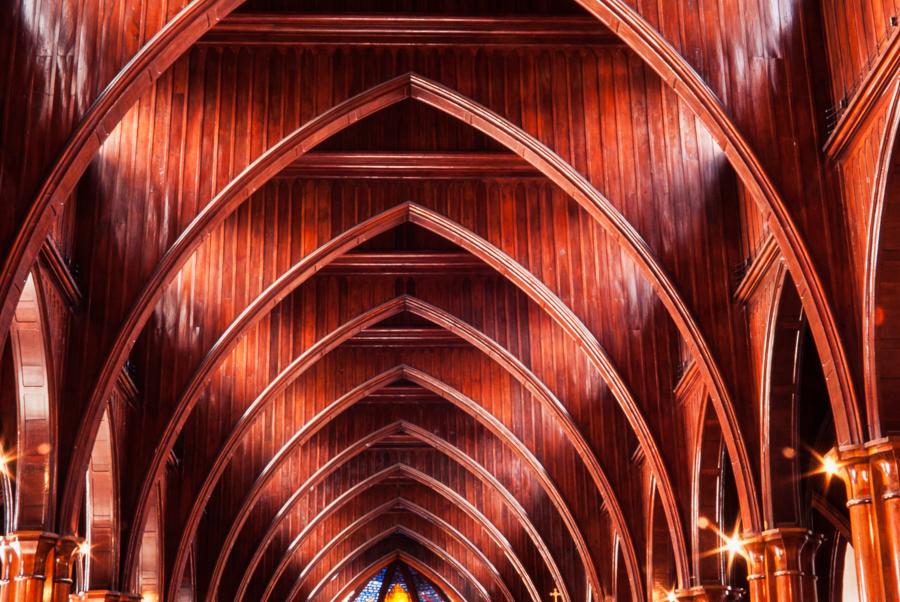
x=427 y=592
x=399 y=587
x=370 y=592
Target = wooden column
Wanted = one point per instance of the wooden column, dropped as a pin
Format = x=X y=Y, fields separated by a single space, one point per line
x=781 y=565
x=757 y=575
x=28 y=565
x=65 y=555
x=873 y=491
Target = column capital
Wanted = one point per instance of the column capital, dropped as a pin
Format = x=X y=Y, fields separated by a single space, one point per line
x=30 y=549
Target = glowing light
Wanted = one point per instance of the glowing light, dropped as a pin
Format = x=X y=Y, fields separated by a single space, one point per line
x=84 y=548
x=734 y=545
x=671 y=597
x=397 y=594
x=830 y=465
x=703 y=522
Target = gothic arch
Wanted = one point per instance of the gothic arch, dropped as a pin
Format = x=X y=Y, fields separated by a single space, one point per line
x=464 y=403
x=418 y=88
x=101 y=503
x=35 y=461
x=447 y=492
x=540 y=293
x=882 y=273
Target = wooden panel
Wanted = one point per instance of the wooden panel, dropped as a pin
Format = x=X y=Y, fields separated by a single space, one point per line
x=857 y=33
x=58 y=57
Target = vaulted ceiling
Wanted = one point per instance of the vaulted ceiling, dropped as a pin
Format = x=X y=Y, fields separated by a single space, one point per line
x=508 y=297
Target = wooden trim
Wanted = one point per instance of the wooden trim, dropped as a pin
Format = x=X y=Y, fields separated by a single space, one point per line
x=859 y=112
x=429 y=165
x=688 y=379
x=62 y=277
x=406 y=338
x=765 y=258
x=266 y=29
x=367 y=264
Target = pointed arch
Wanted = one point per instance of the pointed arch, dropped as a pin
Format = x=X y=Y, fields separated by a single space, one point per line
x=453 y=396
x=707 y=492
x=538 y=155
x=782 y=365
x=35 y=455
x=149 y=579
x=377 y=513
x=370 y=571
x=447 y=492
x=440 y=318
x=673 y=68
x=416 y=537
x=884 y=216
x=102 y=512
x=409 y=212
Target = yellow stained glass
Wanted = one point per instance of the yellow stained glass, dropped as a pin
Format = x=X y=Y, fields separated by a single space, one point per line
x=397 y=594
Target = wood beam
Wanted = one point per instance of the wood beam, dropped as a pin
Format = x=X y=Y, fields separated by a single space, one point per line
x=264 y=29
x=765 y=258
x=398 y=263
x=406 y=338
x=431 y=165
x=861 y=107
x=63 y=279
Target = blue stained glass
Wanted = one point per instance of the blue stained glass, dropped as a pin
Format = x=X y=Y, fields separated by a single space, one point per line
x=427 y=592
x=370 y=592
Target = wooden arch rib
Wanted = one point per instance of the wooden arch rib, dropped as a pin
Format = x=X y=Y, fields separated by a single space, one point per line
x=447 y=492
x=440 y=318
x=151 y=61
x=444 y=491
x=196 y=19
x=885 y=172
x=365 y=575
x=504 y=264
x=453 y=396
x=537 y=154
x=517 y=274
x=672 y=67
x=35 y=474
x=414 y=536
x=101 y=568
x=376 y=513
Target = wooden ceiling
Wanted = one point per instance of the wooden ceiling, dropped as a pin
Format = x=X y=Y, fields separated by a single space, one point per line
x=516 y=293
